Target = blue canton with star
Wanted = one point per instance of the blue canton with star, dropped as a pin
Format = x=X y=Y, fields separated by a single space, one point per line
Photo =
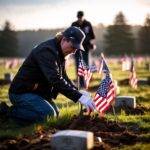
x=104 y=86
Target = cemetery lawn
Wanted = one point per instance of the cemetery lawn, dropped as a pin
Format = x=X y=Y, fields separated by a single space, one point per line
x=130 y=132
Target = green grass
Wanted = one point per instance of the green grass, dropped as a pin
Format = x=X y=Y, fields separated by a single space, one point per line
x=68 y=108
x=139 y=146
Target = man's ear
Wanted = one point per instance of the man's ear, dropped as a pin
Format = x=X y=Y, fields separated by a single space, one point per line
x=63 y=39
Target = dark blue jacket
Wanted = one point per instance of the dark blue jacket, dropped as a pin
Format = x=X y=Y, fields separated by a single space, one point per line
x=43 y=73
x=87 y=28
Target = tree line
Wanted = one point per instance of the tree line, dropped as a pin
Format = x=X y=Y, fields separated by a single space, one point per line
x=118 y=39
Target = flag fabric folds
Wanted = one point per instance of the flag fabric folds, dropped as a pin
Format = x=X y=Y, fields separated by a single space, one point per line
x=106 y=92
x=82 y=68
x=89 y=74
x=103 y=67
x=86 y=72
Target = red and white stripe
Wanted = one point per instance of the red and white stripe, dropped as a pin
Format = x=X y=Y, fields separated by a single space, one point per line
x=133 y=80
x=81 y=71
x=102 y=104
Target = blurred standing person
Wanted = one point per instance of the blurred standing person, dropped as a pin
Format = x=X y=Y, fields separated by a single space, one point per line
x=88 y=42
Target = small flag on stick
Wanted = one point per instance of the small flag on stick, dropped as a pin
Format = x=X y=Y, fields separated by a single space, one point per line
x=132 y=78
x=89 y=74
x=106 y=92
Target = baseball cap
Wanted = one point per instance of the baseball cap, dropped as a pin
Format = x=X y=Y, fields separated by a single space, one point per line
x=76 y=36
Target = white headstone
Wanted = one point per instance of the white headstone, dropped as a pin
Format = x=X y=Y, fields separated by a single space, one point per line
x=72 y=140
x=8 y=77
x=129 y=101
x=143 y=81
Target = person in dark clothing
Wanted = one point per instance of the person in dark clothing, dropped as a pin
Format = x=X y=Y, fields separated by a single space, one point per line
x=42 y=76
x=88 y=42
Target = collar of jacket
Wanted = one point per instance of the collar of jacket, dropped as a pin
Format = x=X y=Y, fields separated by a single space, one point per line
x=84 y=22
x=55 y=47
x=60 y=53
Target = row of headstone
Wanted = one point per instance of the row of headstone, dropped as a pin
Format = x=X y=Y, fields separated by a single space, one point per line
x=10 y=63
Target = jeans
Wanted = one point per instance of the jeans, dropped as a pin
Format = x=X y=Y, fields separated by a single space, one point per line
x=31 y=108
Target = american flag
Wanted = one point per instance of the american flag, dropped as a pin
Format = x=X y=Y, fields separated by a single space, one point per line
x=106 y=92
x=86 y=72
x=93 y=67
x=132 y=78
x=82 y=68
x=103 y=67
x=89 y=74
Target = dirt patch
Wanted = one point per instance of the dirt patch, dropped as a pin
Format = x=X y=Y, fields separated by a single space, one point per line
x=139 y=110
x=112 y=134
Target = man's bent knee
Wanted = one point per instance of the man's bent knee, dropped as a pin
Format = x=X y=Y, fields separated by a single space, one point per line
x=51 y=112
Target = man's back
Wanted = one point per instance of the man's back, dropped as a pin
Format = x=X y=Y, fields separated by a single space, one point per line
x=30 y=77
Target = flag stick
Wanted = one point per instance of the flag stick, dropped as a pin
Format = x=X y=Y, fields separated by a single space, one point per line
x=80 y=105
x=114 y=112
x=79 y=78
x=78 y=87
x=116 y=118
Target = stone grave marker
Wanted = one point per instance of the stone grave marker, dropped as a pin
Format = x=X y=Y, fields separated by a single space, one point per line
x=143 y=81
x=129 y=101
x=72 y=140
x=8 y=77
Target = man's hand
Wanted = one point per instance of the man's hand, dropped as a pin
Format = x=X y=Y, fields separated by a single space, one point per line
x=86 y=100
x=85 y=93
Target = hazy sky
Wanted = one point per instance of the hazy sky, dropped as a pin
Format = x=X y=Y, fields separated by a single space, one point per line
x=35 y=14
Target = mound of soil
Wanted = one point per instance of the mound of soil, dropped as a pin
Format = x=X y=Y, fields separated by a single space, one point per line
x=139 y=110
x=112 y=134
